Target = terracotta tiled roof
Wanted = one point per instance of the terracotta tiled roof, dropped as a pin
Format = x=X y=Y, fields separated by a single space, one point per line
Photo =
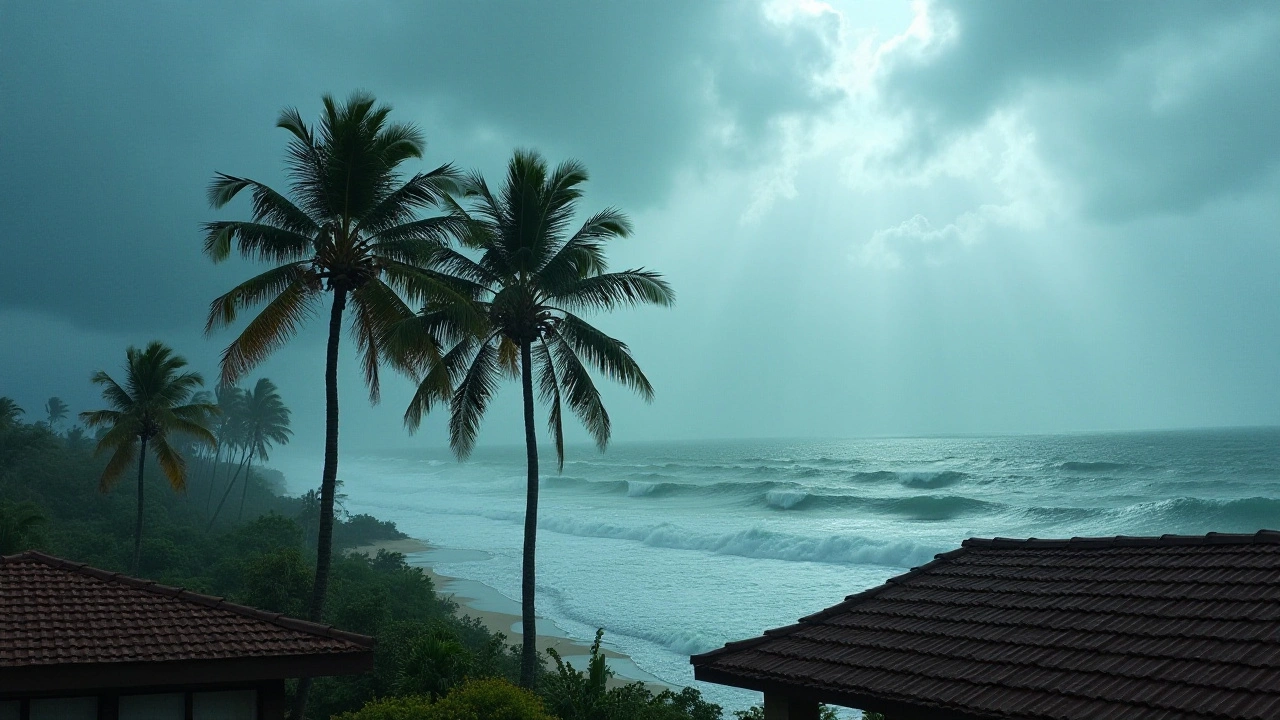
x=1088 y=628
x=54 y=612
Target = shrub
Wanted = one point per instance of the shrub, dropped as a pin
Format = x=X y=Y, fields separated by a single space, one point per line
x=490 y=699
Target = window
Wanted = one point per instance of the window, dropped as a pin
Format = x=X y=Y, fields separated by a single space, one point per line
x=170 y=706
x=10 y=709
x=230 y=705
x=81 y=708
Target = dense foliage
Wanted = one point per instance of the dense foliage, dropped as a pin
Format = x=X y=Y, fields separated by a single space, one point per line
x=429 y=662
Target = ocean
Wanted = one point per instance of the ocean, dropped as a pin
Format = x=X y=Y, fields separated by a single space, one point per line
x=676 y=548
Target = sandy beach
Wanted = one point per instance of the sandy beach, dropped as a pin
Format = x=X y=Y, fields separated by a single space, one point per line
x=501 y=614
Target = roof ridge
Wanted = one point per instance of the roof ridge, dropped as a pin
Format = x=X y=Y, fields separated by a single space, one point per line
x=279 y=619
x=1262 y=537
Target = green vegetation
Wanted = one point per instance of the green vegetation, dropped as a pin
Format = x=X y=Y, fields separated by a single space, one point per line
x=151 y=406
x=533 y=274
x=351 y=228
x=425 y=650
x=456 y=301
x=9 y=412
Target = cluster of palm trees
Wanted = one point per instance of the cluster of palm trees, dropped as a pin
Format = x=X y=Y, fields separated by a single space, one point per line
x=437 y=276
x=160 y=407
x=249 y=423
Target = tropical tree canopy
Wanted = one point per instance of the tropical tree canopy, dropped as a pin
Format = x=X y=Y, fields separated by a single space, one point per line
x=351 y=227
x=152 y=404
x=9 y=412
x=534 y=273
x=265 y=419
x=535 y=276
x=55 y=410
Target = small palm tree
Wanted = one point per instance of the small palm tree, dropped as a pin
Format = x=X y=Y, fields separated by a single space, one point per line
x=264 y=422
x=9 y=413
x=535 y=273
x=153 y=403
x=55 y=410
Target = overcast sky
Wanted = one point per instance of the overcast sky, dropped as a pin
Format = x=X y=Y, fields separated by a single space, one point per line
x=880 y=218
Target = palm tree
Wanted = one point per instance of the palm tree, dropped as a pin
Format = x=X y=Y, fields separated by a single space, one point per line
x=9 y=413
x=55 y=410
x=153 y=403
x=264 y=423
x=229 y=399
x=351 y=228
x=536 y=273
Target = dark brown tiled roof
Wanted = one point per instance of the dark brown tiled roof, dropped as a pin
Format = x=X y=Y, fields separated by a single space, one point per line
x=54 y=613
x=1088 y=628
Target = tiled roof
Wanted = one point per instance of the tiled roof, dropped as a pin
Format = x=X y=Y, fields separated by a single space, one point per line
x=54 y=612
x=1088 y=628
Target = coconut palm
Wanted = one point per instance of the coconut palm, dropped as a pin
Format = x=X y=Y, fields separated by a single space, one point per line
x=225 y=426
x=536 y=273
x=351 y=228
x=264 y=422
x=9 y=413
x=55 y=410
x=153 y=403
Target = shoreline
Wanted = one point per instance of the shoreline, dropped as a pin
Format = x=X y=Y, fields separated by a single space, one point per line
x=500 y=614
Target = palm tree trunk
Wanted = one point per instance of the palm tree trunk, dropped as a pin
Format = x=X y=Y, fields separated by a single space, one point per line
x=328 y=484
x=244 y=458
x=528 y=618
x=244 y=488
x=213 y=475
x=137 y=528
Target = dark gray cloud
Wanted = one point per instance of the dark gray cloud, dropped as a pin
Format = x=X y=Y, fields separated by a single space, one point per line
x=1148 y=107
x=116 y=116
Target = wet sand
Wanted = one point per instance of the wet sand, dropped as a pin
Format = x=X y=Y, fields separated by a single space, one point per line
x=501 y=614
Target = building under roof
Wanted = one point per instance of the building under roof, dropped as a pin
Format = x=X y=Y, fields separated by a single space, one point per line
x=1174 y=627
x=78 y=643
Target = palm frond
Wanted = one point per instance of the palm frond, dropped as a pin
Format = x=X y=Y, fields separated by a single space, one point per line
x=256 y=290
x=258 y=241
x=582 y=255
x=471 y=399
x=401 y=205
x=378 y=310
x=611 y=357
x=608 y=291
x=274 y=326
x=549 y=393
x=580 y=392
x=171 y=463
x=437 y=385
x=122 y=459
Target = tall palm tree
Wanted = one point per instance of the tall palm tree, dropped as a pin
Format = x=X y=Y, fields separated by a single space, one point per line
x=351 y=227
x=9 y=413
x=55 y=410
x=536 y=274
x=264 y=423
x=153 y=403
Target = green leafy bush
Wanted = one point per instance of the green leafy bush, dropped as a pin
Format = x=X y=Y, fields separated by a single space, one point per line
x=489 y=699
